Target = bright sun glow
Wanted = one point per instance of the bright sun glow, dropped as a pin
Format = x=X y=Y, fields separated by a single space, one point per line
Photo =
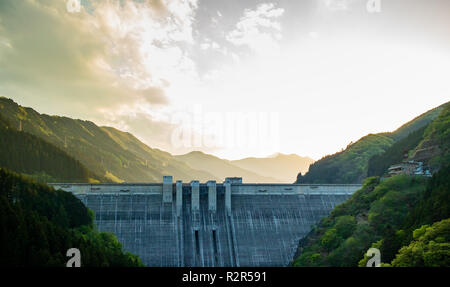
x=330 y=74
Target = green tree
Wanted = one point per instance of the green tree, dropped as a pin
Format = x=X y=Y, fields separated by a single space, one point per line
x=38 y=225
x=430 y=247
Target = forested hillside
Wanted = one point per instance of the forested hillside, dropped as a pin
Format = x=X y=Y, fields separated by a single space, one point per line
x=434 y=148
x=354 y=163
x=379 y=164
x=384 y=215
x=105 y=151
x=27 y=154
x=38 y=225
x=157 y=161
x=417 y=123
x=405 y=217
x=350 y=165
x=425 y=144
x=430 y=247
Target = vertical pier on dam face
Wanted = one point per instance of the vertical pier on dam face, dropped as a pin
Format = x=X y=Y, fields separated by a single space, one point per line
x=179 y=197
x=193 y=224
x=167 y=189
x=212 y=195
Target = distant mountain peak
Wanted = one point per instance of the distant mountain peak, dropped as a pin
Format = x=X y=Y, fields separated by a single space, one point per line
x=196 y=152
x=284 y=167
x=105 y=151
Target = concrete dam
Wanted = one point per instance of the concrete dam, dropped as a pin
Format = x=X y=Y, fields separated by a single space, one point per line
x=212 y=224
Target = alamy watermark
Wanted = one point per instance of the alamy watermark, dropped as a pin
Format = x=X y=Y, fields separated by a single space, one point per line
x=231 y=129
x=376 y=257
x=75 y=260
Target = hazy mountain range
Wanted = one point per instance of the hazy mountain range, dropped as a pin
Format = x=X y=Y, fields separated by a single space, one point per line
x=108 y=154
x=277 y=168
x=112 y=155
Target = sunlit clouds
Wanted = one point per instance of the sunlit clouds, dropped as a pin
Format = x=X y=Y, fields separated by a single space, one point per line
x=259 y=30
x=329 y=70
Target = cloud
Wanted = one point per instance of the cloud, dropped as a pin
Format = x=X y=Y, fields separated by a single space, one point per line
x=210 y=44
x=337 y=5
x=258 y=29
x=158 y=128
x=115 y=54
x=131 y=63
x=111 y=56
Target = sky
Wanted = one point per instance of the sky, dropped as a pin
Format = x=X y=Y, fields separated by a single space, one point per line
x=232 y=78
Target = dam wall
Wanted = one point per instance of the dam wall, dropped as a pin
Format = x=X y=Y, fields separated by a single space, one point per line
x=209 y=224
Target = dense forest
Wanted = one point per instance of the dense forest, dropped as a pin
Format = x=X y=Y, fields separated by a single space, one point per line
x=438 y=134
x=379 y=164
x=371 y=155
x=24 y=153
x=38 y=225
x=348 y=166
x=405 y=217
x=385 y=215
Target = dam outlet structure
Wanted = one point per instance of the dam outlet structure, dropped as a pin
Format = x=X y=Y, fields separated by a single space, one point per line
x=209 y=224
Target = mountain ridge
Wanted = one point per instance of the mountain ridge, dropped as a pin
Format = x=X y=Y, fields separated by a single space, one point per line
x=101 y=150
x=222 y=168
x=284 y=167
x=36 y=158
x=351 y=165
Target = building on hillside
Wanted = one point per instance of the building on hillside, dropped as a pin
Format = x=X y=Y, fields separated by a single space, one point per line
x=410 y=167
